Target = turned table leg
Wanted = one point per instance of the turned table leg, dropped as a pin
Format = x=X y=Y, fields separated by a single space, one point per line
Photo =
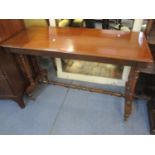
x=129 y=91
x=27 y=70
x=32 y=71
x=20 y=102
x=42 y=74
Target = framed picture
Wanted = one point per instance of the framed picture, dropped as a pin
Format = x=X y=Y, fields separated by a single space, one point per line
x=92 y=71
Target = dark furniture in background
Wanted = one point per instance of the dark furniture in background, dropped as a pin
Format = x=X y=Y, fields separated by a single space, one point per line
x=9 y=27
x=12 y=83
x=14 y=78
x=90 y=23
x=105 y=23
x=149 y=75
x=151 y=114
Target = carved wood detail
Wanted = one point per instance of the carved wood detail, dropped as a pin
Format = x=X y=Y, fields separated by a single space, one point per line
x=130 y=91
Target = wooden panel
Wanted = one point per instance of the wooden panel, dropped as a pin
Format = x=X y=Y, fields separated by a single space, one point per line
x=35 y=22
x=82 y=43
x=4 y=87
x=11 y=82
x=12 y=73
x=9 y=27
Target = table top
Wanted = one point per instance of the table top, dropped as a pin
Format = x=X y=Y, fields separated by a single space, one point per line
x=112 y=44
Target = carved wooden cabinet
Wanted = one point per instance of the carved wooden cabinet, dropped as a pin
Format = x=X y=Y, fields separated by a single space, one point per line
x=12 y=83
x=19 y=74
x=9 y=27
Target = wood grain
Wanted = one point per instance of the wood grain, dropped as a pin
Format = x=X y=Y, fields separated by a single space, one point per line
x=82 y=43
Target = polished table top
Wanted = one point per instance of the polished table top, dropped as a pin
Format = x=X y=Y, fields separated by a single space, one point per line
x=83 y=42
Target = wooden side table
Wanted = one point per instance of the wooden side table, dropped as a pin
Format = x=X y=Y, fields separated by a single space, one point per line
x=107 y=46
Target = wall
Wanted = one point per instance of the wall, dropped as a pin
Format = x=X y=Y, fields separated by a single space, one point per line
x=35 y=22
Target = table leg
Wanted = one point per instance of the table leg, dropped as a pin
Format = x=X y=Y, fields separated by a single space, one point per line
x=23 y=60
x=20 y=102
x=130 y=90
x=32 y=71
x=42 y=73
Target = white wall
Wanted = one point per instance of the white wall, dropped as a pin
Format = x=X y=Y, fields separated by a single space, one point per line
x=137 y=25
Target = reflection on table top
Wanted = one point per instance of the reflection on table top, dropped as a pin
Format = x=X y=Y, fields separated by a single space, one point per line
x=130 y=46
